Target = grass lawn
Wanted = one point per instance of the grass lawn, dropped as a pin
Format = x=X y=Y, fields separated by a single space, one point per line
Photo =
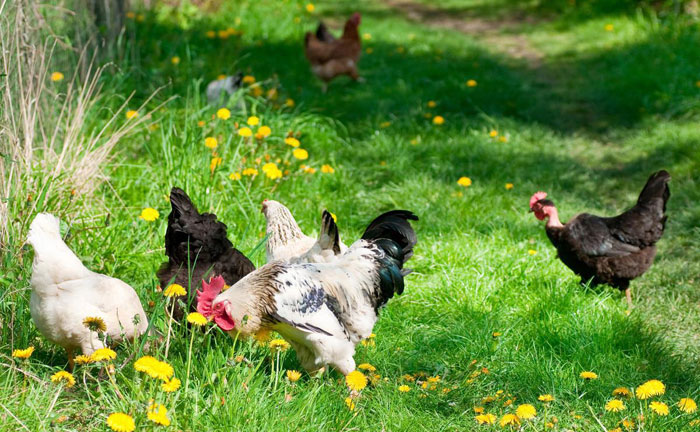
x=604 y=97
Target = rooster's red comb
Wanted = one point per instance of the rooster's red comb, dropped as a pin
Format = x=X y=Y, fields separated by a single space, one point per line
x=536 y=197
x=205 y=297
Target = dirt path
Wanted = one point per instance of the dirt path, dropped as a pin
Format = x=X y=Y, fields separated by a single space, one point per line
x=504 y=34
x=499 y=33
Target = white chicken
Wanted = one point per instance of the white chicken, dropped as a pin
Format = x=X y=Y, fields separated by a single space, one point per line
x=286 y=241
x=65 y=292
x=322 y=309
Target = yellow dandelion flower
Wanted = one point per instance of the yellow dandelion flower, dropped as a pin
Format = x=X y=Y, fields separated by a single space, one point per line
x=546 y=398
x=154 y=368
x=503 y=138
x=464 y=181
x=249 y=79
x=140 y=18
x=211 y=34
x=356 y=380
x=526 y=411
x=149 y=214
x=131 y=114
x=57 y=76
x=245 y=132
x=609 y=27
x=220 y=77
x=158 y=414
x=23 y=353
x=493 y=133
x=350 y=404
x=274 y=173
x=370 y=50
x=272 y=94
x=263 y=131
x=509 y=420
x=697 y=83
x=269 y=167
x=650 y=388
x=174 y=290
x=687 y=405
x=509 y=186
x=82 y=359
x=293 y=375
x=534 y=252
x=175 y=60
x=196 y=318
x=120 y=422
x=201 y=123
x=486 y=419
x=131 y=15
x=171 y=385
x=432 y=104
x=279 y=344
x=95 y=324
x=471 y=83
x=659 y=408
x=621 y=391
x=103 y=354
x=385 y=124
x=63 y=377
x=253 y=120
x=615 y=405
x=404 y=388
x=235 y=176
x=223 y=34
x=300 y=154
x=251 y=172
x=628 y=424
x=586 y=374
x=223 y=113
x=211 y=142
x=366 y=366
x=215 y=162
x=292 y=142
x=289 y=102
x=327 y=169
x=438 y=120
x=310 y=7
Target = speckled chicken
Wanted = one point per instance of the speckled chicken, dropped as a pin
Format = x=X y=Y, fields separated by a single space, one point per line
x=322 y=309
x=65 y=292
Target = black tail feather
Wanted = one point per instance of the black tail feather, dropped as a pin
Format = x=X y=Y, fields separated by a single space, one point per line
x=323 y=34
x=656 y=187
x=181 y=203
x=394 y=225
x=329 y=238
x=391 y=271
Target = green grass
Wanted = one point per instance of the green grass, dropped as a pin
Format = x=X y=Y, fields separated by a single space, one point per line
x=612 y=108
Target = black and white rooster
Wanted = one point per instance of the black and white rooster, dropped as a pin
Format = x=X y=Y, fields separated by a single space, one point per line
x=322 y=309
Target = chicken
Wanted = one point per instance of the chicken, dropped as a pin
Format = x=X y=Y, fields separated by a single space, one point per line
x=196 y=245
x=65 y=292
x=286 y=241
x=330 y=57
x=609 y=250
x=223 y=88
x=322 y=309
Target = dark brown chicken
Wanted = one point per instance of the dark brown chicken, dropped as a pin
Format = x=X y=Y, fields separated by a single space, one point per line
x=611 y=250
x=197 y=248
x=330 y=57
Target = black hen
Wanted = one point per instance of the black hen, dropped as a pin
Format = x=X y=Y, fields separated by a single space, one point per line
x=197 y=248
x=611 y=250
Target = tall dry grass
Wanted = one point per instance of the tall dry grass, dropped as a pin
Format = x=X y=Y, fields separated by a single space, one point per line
x=55 y=149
